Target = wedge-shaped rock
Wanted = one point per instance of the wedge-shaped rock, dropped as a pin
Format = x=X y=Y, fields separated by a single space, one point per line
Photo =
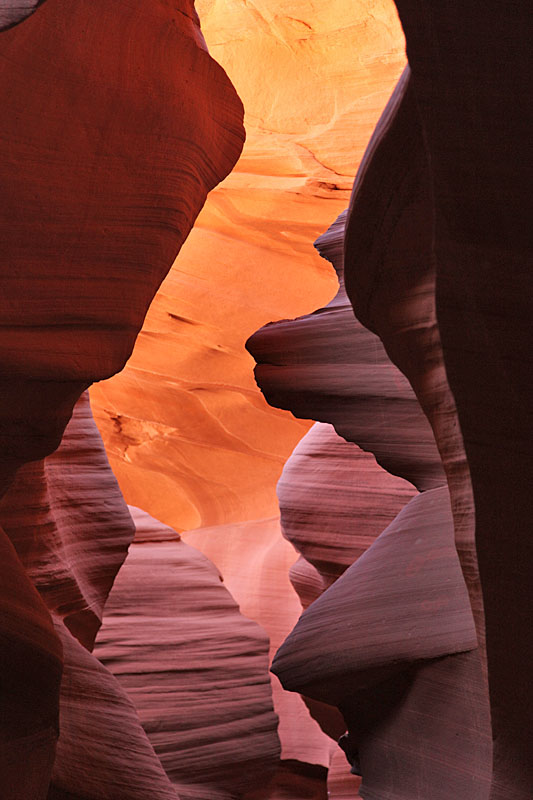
x=327 y=366
x=195 y=668
x=402 y=601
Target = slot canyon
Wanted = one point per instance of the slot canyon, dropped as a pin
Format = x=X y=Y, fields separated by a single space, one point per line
x=265 y=400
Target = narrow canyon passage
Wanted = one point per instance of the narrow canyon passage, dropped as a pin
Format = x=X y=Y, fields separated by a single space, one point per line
x=264 y=397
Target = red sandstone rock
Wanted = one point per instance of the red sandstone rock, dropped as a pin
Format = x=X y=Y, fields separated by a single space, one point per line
x=255 y=561
x=434 y=743
x=404 y=596
x=31 y=665
x=95 y=160
x=377 y=645
x=195 y=668
x=188 y=434
x=398 y=293
x=70 y=525
x=71 y=529
x=108 y=114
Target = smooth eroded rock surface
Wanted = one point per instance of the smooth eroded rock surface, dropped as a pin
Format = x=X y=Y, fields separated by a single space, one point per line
x=189 y=436
x=402 y=601
x=96 y=189
x=390 y=280
x=255 y=561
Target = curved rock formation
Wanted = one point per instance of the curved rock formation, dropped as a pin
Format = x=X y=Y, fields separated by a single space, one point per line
x=329 y=367
x=188 y=434
x=102 y=749
x=255 y=561
x=76 y=535
x=31 y=663
x=195 y=668
x=398 y=304
x=389 y=643
x=335 y=501
x=471 y=72
x=101 y=172
x=390 y=280
x=404 y=598
x=115 y=124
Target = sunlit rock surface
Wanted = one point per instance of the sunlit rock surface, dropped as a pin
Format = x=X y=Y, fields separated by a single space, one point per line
x=115 y=123
x=194 y=666
x=189 y=436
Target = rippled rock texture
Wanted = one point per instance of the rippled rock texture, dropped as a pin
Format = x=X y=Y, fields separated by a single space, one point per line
x=68 y=530
x=115 y=124
x=381 y=672
x=188 y=434
x=14 y=11
x=439 y=275
x=194 y=666
x=408 y=502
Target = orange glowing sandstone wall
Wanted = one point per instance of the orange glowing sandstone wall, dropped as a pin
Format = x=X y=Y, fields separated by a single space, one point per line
x=188 y=435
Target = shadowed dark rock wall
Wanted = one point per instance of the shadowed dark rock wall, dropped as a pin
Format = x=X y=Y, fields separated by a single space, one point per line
x=472 y=78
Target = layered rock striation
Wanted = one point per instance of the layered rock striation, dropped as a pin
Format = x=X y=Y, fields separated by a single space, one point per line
x=115 y=124
x=470 y=74
x=188 y=434
x=335 y=501
x=194 y=666
x=408 y=501
x=392 y=665
x=68 y=530
x=12 y=12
